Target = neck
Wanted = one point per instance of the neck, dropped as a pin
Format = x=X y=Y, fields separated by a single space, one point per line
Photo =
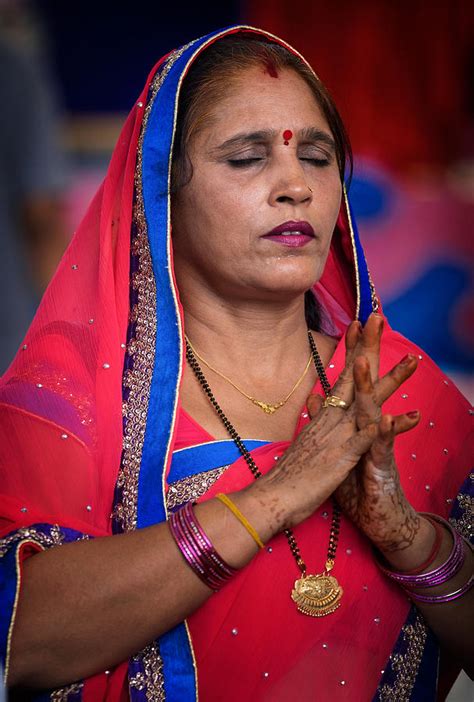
x=251 y=337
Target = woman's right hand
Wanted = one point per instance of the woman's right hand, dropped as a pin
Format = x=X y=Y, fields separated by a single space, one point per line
x=325 y=452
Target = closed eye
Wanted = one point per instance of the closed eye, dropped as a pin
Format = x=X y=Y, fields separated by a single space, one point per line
x=243 y=162
x=320 y=162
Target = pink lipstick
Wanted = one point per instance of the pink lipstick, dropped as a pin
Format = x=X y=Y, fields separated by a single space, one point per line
x=293 y=234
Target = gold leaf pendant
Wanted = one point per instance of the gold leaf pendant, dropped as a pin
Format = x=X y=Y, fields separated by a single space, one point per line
x=267 y=407
x=317 y=595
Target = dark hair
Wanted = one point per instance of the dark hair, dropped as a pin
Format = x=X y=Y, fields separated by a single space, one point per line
x=207 y=82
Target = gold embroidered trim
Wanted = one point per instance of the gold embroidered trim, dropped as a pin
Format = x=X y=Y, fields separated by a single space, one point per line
x=15 y=603
x=153 y=673
x=373 y=294
x=405 y=665
x=142 y=346
x=193 y=487
x=465 y=523
x=62 y=694
x=354 y=251
x=27 y=535
x=54 y=538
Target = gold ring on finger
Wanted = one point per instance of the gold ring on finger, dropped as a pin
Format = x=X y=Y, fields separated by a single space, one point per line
x=335 y=401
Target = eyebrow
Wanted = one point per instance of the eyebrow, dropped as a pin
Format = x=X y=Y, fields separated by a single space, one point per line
x=307 y=135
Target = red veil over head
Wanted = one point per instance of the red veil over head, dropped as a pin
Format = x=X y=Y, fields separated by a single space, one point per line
x=97 y=379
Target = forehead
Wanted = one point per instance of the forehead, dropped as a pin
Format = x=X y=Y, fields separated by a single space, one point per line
x=256 y=100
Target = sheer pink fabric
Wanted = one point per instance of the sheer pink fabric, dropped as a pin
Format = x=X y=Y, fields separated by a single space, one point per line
x=66 y=379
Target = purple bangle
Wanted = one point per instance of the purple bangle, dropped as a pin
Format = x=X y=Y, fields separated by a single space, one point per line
x=439 y=599
x=442 y=573
x=197 y=550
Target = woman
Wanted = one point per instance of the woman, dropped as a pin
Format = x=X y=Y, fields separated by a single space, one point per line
x=248 y=167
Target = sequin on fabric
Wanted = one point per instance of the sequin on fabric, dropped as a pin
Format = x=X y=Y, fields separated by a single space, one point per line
x=193 y=487
x=405 y=663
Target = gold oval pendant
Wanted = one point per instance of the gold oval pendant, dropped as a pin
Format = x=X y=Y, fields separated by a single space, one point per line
x=317 y=595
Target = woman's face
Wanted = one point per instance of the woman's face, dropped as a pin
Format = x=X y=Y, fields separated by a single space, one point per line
x=246 y=182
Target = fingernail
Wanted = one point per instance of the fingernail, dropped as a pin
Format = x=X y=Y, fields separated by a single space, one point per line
x=406 y=359
x=413 y=414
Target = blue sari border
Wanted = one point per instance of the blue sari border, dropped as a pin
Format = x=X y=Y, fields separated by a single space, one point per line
x=203 y=457
x=408 y=673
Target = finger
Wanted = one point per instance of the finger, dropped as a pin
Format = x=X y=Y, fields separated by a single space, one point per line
x=380 y=455
x=358 y=444
x=366 y=408
x=392 y=380
x=369 y=345
x=353 y=336
x=405 y=422
x=314 y=404
x=344 y=387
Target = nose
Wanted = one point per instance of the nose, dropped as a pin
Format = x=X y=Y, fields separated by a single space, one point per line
x=290 y=185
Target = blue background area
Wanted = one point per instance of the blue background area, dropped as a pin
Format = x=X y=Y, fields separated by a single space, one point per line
x=103 y=51
x=425 y=309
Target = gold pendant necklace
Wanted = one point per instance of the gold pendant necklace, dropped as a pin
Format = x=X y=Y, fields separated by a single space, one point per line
x=317 y=595
x=267 y=407
x=314 y=595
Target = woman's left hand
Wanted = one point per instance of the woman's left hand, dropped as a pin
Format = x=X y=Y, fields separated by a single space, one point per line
x=372 y=495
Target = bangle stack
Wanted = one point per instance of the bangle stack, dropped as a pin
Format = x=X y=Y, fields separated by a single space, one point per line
x=197 y=550
x=440 y=575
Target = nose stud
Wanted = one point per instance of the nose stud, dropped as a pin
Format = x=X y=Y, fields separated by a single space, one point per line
x=287 y=135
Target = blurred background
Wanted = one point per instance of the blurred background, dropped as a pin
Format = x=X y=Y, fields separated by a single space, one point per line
x=401 y=74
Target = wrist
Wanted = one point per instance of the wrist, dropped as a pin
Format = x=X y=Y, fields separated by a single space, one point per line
x=409 y=555
x=262 y=508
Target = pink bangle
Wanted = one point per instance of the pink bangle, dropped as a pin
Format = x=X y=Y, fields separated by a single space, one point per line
x=197 y=550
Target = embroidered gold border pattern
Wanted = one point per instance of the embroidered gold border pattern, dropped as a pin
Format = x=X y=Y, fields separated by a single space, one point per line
x=193 y=487
x=405 y=665
x=142 y=346
x=27 y=535
x=354 y=251
x=151 y=680
x=54 y=538
x=138 y=381
x=153 y=666
x=62 y=694
x=465 y=523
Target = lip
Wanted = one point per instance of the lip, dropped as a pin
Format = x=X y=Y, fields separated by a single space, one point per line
x=304 y=227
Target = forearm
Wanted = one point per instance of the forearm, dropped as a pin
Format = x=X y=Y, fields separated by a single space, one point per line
x=450 y=621
x=87 y=606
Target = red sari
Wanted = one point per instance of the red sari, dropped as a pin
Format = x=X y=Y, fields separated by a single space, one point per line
x=91 y=435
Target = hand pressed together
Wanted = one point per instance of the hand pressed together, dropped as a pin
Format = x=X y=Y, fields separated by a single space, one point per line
x=349 y=452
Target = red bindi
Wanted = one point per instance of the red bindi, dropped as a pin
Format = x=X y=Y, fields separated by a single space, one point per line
x=287 y=135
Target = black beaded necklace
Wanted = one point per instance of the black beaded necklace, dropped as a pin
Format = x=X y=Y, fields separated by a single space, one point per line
x=314 y=595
